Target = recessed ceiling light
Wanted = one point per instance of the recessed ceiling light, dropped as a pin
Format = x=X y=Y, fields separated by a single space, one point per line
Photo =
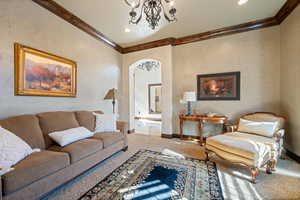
x=127 y=30
x=241 y=2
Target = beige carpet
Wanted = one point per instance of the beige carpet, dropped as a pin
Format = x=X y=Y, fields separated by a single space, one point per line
x=283 y=184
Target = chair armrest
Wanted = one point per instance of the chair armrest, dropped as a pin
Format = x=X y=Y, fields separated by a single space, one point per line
x=123 y=127
x=279 y=135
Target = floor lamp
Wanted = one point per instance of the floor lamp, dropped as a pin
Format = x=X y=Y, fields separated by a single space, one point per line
x=111 y=95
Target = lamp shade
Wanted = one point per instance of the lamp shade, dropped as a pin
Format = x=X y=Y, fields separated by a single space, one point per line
x=111 y=94
x=189 y=96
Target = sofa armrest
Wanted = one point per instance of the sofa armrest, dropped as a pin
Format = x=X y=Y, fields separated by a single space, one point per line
x=123 y=127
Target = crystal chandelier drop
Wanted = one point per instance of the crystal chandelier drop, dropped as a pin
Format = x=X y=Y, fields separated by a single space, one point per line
x=152 y=10
x=149 y=66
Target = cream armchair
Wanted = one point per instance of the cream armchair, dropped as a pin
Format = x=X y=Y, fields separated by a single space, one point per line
x=256 y=147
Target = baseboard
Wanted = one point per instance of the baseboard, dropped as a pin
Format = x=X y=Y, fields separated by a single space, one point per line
x=168 y=136
x=187 y=136
x=293 y=156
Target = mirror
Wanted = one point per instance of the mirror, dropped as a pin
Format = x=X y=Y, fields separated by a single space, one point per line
x=154 y=98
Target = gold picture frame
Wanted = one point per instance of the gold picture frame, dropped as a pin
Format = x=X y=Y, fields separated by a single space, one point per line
x=39 y=73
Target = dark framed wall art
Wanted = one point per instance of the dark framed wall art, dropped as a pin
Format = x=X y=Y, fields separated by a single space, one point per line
x=217 y=87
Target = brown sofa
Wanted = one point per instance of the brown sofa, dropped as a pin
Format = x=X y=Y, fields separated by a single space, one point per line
x=42 y=172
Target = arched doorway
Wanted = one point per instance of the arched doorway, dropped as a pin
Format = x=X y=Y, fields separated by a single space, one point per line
x=145 y=83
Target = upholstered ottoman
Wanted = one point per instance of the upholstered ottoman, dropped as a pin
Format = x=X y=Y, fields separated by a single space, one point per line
x=241 y=151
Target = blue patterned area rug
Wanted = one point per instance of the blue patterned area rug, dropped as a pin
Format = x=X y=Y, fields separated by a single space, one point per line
x=150 y=175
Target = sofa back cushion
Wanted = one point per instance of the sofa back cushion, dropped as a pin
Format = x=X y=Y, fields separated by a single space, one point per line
x=86 y=119
x=56 y=121
x=27 y=128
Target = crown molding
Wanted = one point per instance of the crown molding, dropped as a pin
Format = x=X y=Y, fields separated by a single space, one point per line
x=286 y=10
x=149 y=45
x=250 y=26
x=282 y=14
x=63 y=13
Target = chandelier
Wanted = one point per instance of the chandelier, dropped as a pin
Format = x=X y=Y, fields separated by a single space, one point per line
x=149 y=66
x=152 y=10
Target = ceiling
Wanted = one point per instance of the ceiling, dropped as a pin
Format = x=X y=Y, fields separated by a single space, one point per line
x=194 y=16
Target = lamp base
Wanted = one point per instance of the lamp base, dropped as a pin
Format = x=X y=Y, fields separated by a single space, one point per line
x=189 y=108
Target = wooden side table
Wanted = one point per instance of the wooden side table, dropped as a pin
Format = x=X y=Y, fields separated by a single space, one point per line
x=201 y=119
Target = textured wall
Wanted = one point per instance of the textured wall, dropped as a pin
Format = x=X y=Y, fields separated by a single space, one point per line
x=98 y=65
x=290 y=73
x=164 y=56
x=256 y=54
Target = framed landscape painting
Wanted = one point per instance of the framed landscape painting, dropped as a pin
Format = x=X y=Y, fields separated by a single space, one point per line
x=223 y=86
x=38 y=73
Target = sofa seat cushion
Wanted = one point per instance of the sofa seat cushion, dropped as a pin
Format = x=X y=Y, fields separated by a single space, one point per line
x=257 y=152
x=56 y=121
x=109 y=138
x=33 y=168
x=80 y=149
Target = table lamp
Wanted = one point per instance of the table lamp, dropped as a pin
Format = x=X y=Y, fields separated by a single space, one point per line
x=189 y=97
x=111 y=95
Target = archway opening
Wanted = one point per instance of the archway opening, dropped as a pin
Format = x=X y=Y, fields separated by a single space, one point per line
x=145 y=86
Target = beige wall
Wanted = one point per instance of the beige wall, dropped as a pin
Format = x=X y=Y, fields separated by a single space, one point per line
x=290 y=78
x=98 y=65
x=164 y=56
x=255 y=54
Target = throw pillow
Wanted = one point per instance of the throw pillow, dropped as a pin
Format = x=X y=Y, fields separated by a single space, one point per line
x=266 y=129
x=105 y=123
x=12 y=150
x=69 y=136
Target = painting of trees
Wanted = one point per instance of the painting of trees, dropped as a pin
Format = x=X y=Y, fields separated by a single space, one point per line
x=48 y=78
x=39 y=73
